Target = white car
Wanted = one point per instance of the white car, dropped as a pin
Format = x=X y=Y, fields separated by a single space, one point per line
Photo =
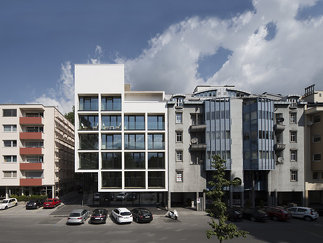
x=8 y=203
x=122 y=215
x=308 y=214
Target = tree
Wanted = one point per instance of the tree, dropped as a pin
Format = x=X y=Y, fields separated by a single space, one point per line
x=70 y=115
x=221 y=229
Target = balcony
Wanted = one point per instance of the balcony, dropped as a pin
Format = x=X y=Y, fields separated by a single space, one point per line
x=198 y=128
x=30 y=135
x=279 y=127
x=279 y=146
x=197 y=146
x=31 y=182
x=31 y=166
x=30 y=120
x=31 y=151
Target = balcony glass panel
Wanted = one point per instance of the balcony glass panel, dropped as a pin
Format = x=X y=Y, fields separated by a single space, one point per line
x=111 y=103
x=111 y=122
x=134 y=141
x=111 y=160
x=134 y=122
x=156 y=160
x=89 y=161
x=135 y=179
x=134 y=160
x=111 y=141
x=88 y=122
x=111 y=180
x=156 y=122
x=88 y=103
x=89 y=141
x=156 y=141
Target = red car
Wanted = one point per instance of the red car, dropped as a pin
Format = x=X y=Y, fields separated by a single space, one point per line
x=278 y=213
x=51 y=203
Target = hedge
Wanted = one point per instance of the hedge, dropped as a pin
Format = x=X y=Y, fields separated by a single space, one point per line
x=28 y=198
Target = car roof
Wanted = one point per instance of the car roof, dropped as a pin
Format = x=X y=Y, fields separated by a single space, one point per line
x=123 y=209
x=77 y=211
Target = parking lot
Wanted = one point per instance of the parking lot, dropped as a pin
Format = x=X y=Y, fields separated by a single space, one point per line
x=21 y=225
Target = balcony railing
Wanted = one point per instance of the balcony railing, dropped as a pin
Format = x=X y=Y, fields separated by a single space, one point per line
x=279 y=146
x=197 y=146
x=31 y=135
x=31 y=151
x=279 y=127
x=30 y=120
x=31 y=166
x=31 y=182
x=197 y=128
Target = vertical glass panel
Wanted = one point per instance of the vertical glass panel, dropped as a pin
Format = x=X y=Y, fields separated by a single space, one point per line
x=111 y=141
x=88 y=161
x=156 y=179
x=156 y=160
x=111 y=180
x=135 y=160
x=134 y=141
x=111 y=122
x=88 y=122
x=135 y=179
x=111 y=103
x=88 y=103
x=156 y=141
x=89 y=141
x=111 y=160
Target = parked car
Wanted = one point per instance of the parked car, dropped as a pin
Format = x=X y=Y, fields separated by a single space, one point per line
x=34 y=204
x=141 y=215
x=8 y=203
x=99 y=216
x=51 y=203
x=308 y=214
x=234 y=214
x=122 y=215
x=255 y=214
x=278 y=213
x=77 y=216
x=121 y=196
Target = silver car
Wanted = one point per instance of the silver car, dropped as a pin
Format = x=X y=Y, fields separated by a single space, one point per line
x=308 y=214
x=77 y=216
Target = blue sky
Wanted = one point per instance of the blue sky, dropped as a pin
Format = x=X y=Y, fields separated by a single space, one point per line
x=165 y=45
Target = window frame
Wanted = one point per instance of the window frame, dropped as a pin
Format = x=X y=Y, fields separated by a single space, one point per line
x=293 y=175
x=179 y=137
x=179 y=115
x=293 y=155
x=179 y=156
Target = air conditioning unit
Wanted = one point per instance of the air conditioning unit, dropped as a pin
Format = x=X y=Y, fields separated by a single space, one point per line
x=194 y=140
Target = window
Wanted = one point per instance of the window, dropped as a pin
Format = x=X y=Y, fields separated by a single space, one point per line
x=111 y=180
x=156 y=122
x=88 y=103
x=132 y=122
x=156 y=141
x=293 y=136
x=316 y=157
x=10 y=174
x=111 y=103
x=10 y=143
x=179 y=176
x=293 y=155
x=111 y=160
x=134 y=160
x=34 y=114
x=89 y=161
x=34 y=159
x=135 y=179
x=10 y=158
x=316 y=138
x=316 y=118
x=293 y=118
x=156 y=160
x=156 y=179
x=179 y=156
x=9 y=112
x=9 y=128
x=34 y=144
x=89 y=141
x=134 y=141
x=315 y=175
x=179 y=137
x=34 y=129
x=293 y=175
x=88 y=122
x=111 y=122
x=111 y=141
x=33 y=174
x=179 y=118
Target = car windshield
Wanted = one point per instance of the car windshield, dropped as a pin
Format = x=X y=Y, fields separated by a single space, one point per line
x=125 y=213
x=49 y=200
x=75 y=214
x=5 y=201
x=145 y=212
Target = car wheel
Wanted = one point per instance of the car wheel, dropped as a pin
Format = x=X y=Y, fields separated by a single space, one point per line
x=6 y=207
x=308 y=218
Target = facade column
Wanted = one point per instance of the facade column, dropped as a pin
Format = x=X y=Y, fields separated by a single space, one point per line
x=253 y=198
x=306 y=201
x=169 y=199
x=53 y=191
x=242 y=198
x=7 y=192
x=231 y=195
x=204 y=201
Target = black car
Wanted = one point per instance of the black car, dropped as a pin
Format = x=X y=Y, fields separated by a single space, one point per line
x=255 y=214
x=141 y=215
x=234 y=214
x=99 y=216
x=34 y=204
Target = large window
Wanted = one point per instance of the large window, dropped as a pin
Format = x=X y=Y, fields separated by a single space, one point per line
x=88 y=122
x=111 y=122
x=111 y=103
x=132 y=122
x=9 y=112
x=111 y=180
x=134 y=160
x=134 y=141
x=135 y=179
x=156 y=122
x=156 y=141
x=111 y=160
x=89 y=141
x=10 y=158
x=88 y=103
x=10 y=143
x=34 y=129
x=34 y=159
x=33 y=174
x=156 y=179
x=156 y=160
x=111 y=141
x=34 y=144
x=89 y=161
x=9 y=128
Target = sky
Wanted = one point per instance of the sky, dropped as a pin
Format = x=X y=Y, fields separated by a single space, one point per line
x=273 y=46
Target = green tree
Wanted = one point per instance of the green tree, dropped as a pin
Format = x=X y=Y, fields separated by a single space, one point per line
x=70 y=115
x=220 y=228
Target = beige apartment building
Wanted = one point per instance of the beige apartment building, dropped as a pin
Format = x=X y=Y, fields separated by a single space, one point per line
x=314 y=146
x=36 y=151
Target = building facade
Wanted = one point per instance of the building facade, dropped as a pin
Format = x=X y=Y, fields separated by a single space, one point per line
x=37 y=151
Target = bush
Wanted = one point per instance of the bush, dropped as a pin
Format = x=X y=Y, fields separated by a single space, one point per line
x=25 y=198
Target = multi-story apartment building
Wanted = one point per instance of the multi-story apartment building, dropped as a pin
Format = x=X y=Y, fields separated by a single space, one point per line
x=314 y=146
x=121 y=135
x=36 y=152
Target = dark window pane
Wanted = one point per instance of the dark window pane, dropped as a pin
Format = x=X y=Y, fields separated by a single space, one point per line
x=156 y=179
x=89 y=141
x=135 y=179
x=134 y=160
x=111 y=160
x=111 y=180
x=88 y=161
x=156 y=160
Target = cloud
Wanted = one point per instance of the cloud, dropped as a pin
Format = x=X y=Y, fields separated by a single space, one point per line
x=291 y=57
x=98 y=54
